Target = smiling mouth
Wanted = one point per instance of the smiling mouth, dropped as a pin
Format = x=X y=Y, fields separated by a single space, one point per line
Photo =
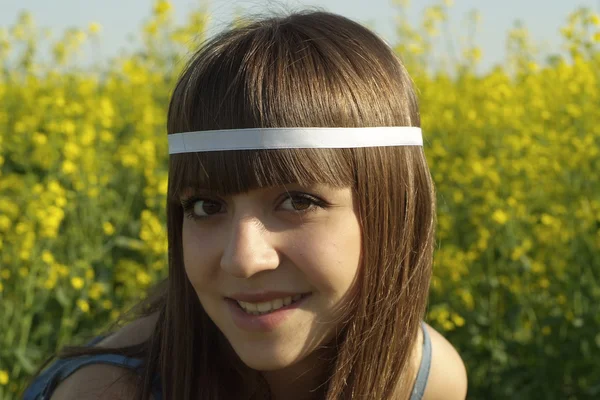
x=267 y=307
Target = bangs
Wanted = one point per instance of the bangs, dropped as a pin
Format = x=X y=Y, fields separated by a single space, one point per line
x=233 y=172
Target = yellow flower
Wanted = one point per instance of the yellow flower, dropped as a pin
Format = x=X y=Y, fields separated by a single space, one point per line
x=93 y=193
x=458 y=196
x=143 y=278
x=83 y=305
x=448 y=325
x=68 y=167
x=108 y=228
x=107 y=304
x=96 y=291
x=162 y=7
x=40 y=139
x=561 y=299
x=77 y=282
x=106 y=137
x=548 y=219
x=458 y=320
x=72 y=150
x=546 y=330
x=5 y=223
x=1 y=287
x=500 y=217
x=94 y=28
x=62 y=270
x=467 y=299
x=47 y=257
x=50 y=283
x=3 y=377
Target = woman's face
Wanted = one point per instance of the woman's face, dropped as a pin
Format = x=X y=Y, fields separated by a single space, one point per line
x=258 y=252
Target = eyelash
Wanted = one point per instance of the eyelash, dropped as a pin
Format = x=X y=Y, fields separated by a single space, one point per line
x=188 y=204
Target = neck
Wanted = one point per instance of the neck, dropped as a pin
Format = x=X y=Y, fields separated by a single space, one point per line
x=304 y=380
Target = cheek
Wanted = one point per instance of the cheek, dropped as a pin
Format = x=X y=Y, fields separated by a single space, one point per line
x=332 y=258
x=197 y=253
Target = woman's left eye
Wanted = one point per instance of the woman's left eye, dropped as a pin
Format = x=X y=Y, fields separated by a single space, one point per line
x=302 y=203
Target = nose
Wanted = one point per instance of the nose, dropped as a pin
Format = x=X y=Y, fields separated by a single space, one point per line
x=248 y=250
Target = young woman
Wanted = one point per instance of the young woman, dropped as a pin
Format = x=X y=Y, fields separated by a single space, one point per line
x=301 y=220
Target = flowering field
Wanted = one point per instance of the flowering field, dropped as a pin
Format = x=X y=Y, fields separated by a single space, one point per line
x=514 y=152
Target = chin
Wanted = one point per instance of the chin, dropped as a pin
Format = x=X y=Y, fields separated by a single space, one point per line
x=265 y=360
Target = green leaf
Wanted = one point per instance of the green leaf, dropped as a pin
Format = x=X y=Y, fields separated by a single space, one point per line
x=24 y=360
x=129 y=243
x=62 y=297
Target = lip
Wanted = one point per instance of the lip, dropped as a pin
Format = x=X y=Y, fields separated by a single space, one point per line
x=263 y=296
x=264 y=322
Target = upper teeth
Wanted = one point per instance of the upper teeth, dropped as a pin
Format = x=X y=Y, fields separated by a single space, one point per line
x=268 y=306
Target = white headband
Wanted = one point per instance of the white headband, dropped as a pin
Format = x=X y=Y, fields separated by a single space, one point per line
x=294 y=138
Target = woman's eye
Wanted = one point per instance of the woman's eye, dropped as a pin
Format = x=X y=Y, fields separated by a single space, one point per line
x=196 y=208
x=302 y=203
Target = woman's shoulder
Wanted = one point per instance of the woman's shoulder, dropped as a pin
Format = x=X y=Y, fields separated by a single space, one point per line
x=135 y=332
x=447 y=374
x=101 y=380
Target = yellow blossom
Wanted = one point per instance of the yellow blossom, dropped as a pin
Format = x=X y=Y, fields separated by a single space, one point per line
x=143 y=277
x=448 y=325
x=47 y=257
x=69 y=167
x=108 y=228
x=458 y=320
x=62 y=270
x=77 y=282
x=500 y=217
x=83 y=305
x=72 y=150
x=50 y=283
x=93 y=193
x=40 y=139
x=94 y=27
x=5 y=223
x=96 y=291
x=546 y=330
x=162 y=7
x=3 y=377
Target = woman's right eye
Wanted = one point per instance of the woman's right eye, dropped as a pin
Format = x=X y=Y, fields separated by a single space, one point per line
x=196 y=208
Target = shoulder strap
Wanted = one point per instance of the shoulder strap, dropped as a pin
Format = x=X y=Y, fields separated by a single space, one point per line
x=45 y=384
x=423 y=374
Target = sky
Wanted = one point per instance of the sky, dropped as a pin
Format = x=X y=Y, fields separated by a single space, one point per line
x=121 y=19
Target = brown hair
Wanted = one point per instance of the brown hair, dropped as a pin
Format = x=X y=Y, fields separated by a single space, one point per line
x=307 y=69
